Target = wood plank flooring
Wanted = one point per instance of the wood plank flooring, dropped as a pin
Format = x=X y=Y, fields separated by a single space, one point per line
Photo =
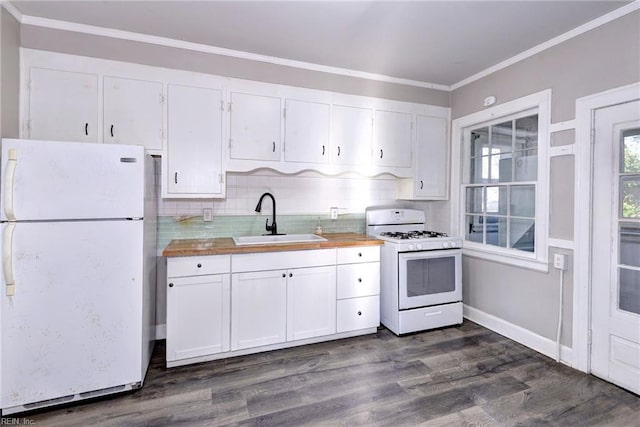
x=464 y=375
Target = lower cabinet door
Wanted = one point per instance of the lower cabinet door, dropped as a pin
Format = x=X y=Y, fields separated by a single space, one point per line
x=358 y=313
x=258 y=309
x=311 y=302
x=197 y=316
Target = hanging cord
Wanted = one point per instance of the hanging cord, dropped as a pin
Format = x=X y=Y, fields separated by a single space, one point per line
x=559 y=333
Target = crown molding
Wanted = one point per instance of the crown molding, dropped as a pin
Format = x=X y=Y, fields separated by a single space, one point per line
x=12 y=10
x=604 y=19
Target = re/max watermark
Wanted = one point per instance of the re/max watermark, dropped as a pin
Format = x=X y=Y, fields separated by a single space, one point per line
x=16 y=421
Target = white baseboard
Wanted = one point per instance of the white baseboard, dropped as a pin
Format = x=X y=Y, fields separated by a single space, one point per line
x=519 y=334
x=161 y=331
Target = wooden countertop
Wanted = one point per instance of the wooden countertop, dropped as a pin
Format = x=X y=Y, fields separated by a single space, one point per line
x=226 y=246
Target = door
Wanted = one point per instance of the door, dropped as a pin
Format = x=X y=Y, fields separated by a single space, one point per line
x=47 y=180
x=198 y=313
x=74 y=323
x=429 y=277
x=306 y=132
x=255 y=127
x=63 y=105
x=392 y=139
x=615 y=311
x=133 y=112
x=311 y=302
x=432 y=160
x=351 y=135
x=194 y=143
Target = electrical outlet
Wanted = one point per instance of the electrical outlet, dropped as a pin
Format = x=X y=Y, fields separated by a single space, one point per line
x=334 y=213
x=207 y=215
x=560 y=261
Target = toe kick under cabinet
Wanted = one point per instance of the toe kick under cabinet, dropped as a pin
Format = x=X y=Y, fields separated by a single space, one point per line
x=227 y=305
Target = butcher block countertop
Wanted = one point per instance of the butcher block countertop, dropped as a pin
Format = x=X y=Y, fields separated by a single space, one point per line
x=226 y=246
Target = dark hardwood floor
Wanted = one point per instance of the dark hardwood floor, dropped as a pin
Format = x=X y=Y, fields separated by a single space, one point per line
x=453 y=376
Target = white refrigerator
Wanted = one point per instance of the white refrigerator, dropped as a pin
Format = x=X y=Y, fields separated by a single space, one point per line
x=78 y=230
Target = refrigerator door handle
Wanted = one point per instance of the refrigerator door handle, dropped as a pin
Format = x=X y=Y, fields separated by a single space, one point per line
x=10 y=174
x=7 y=258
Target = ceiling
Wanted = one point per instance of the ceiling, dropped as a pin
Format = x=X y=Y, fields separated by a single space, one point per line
x=439 y=42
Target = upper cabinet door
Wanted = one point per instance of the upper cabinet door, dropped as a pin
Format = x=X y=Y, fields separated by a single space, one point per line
x=392 y=144
x=63 y=105
x=255 y=127
x=194 y=142
x=432 y=158
x=351 y=135
x=306 y=131
x=132 y=112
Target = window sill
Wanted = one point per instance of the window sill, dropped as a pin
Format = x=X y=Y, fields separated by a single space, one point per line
x=507 y=259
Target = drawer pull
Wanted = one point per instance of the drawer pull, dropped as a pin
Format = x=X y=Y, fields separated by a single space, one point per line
x=284 y=275
x=290 y=274
x=199 y=265
x=171 y=285
x=359 y=280
x=433 y=313
x=359 y=313
x=360 y=254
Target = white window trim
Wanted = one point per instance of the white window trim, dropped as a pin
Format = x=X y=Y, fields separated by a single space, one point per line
x=541 y=101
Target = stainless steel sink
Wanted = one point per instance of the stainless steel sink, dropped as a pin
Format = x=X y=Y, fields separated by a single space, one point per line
x=271 y=239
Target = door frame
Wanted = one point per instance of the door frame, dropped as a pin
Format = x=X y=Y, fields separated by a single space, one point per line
x=585 y=116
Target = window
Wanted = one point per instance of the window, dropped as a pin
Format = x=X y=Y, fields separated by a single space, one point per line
x=500 y=181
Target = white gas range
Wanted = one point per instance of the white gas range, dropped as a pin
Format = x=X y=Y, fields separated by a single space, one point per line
x=421 y=271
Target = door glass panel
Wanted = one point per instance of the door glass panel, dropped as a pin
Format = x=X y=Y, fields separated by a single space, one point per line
x=631 y=150
x=430 y=276
x=473 y=230
x=630 y=244
x=523 y=200
x=474 y=199
x=522 y=234
x=630 y=194
x=497 y=200
x=497 y=231
x=629 y=290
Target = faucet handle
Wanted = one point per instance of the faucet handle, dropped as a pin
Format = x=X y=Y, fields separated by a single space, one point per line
x=267 y=226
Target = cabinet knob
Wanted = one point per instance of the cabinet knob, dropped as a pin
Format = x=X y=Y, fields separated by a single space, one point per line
x=290 y=274
x=199 y=265
x=284 y=275
x=359 y=313
x=359 y=279
x=171 y=285
x=359 y=254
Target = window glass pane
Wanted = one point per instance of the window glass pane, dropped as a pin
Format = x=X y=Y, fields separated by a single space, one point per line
x=479 y=142
x=474 y=227
x=526 y=133
x=525 y=165
x=631 y=150
x=474 y=199
x=479 y=170
x=523 y=200
x=630 y=194
x=629 y=290
x=502 y=137
x=522 y=234
x=501 y=168
x=497 y=200
x=630 y=244
x=497 y=231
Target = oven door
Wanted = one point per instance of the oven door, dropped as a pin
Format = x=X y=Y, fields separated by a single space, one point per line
x=429 y=277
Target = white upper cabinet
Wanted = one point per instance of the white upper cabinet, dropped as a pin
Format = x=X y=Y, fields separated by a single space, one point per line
x=351 y=135
x=63 y=105
x=193 y=164
x=306 y=131
x=255 y=125
x=132 y=112
x=392 y=139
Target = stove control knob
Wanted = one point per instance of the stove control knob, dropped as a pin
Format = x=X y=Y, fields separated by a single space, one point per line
x=454 y=244
x=419 y=245
x=411 y=247
x=445 y=245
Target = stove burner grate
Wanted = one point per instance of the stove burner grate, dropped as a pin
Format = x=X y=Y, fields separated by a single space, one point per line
x=416 y=234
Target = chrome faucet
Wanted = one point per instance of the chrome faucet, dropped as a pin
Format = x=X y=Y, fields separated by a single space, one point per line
x=273 y=228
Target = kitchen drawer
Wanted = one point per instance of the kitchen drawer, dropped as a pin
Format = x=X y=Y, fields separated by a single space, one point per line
x=358 y=313
x=358 y=254
x=358 y=280
x=265 y=261
x=421 y=319
x=198 y=265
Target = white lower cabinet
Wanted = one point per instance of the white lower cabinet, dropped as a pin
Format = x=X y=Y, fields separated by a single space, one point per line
x=259 y=309
x=311 y=302
x=198 y=308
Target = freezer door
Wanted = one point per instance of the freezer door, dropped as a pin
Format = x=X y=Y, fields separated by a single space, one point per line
x=74 y=323
x=51 y=180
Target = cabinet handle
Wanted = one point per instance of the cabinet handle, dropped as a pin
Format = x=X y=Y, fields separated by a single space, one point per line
x=359 y=254
x=290 y=274
x=359 y=313
x=323 y=150
x=274 y=147
x=199 y=265
x=111 y=131
x=86 y=129
x=338 y=150
x=175 y=177
x=284 y=275
x=359 y=280
x=421 y=184
x=171 y=285
x=381 y=153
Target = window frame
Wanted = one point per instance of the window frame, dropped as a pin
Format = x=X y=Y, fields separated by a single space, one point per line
x=539 y=103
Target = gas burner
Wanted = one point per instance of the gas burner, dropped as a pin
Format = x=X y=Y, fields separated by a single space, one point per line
x=416 y=234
